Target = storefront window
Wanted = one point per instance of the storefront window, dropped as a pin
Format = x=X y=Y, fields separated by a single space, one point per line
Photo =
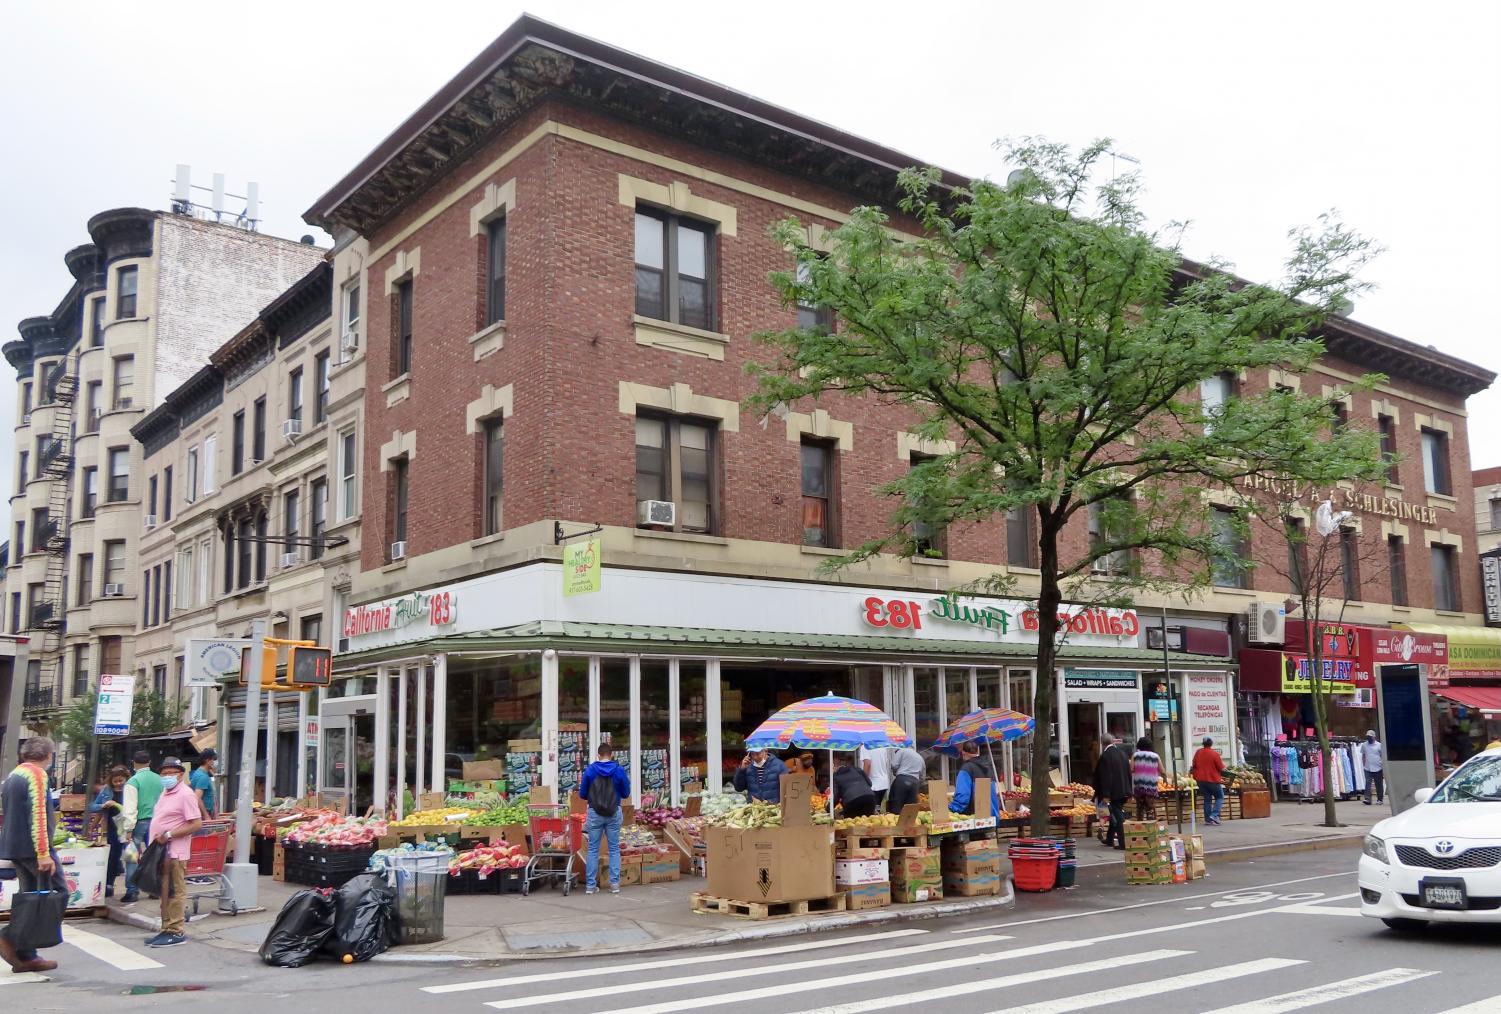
x=926 y=689
x=693 y=749
x=656 y=730
x=988 y=688
x=956 y=691
x=494 y=713
x=615 y=707
x=752 y=693
x=573 y=722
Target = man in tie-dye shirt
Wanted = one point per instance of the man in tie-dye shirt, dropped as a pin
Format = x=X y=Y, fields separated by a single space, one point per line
x=26 y=840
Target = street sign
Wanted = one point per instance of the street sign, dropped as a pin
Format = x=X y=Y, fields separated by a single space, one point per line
x=210 y=661
x=112 y=713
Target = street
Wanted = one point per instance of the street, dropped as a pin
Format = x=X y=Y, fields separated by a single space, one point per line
x=1277 y=934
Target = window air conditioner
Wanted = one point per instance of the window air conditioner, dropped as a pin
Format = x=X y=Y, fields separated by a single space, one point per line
x=150 y=522
x=1266 y=623
x=113 y=591
x=349 y=341
x=398 y=551
x=123 y=402
x=655 y=513
x=26 y=419
x=96 y=415
x=291 y=429
x=290 y=559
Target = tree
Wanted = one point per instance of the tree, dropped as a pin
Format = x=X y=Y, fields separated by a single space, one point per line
x=150 y=714
x=1061 y=346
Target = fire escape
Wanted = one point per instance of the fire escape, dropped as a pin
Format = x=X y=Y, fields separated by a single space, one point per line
x=55 y=465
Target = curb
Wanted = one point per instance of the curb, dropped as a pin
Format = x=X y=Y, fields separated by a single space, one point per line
x=1318 y=844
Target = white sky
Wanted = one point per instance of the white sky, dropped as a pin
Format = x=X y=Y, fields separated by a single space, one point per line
x=1247 y=119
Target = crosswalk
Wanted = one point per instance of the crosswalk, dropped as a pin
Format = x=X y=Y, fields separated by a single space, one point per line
x=79 y=943
x=915 y=969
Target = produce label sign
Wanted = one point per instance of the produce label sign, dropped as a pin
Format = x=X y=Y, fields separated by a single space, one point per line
x=581 y=567
x=112 y=714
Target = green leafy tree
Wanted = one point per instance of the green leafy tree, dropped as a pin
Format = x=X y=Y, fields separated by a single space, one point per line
x=1062 y=346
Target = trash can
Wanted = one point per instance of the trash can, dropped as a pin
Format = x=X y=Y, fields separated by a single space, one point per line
x=419 y=904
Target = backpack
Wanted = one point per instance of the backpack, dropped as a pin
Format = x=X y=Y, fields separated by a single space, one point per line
x=603 y=799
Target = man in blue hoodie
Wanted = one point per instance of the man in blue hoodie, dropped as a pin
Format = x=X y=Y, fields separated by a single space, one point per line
x=971 y=770
x=760 y=776
x=603 y=786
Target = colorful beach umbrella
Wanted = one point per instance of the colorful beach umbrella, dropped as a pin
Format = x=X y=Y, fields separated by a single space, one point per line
x=828 y=723
x=991 y=725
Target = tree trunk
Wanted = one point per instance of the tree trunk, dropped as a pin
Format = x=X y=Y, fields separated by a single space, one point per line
x=1321 y=724
x=1048 y=599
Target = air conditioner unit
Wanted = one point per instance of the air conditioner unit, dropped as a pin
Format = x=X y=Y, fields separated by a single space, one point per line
x=1266 y=623
x=398 y=551
x=656 y=513
x=150 y=522
x=96 y=415
x=123 y=402
x=26 y=419
x=1364 y=697
x=292 y=429
x=290 y=559
x=113 y=591
x=349 y=341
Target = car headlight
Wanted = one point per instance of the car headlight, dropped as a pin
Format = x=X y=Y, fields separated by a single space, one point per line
x=1375 y=848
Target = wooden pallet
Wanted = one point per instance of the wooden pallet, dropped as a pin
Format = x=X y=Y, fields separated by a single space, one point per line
x=766 y=909
x=964 y=837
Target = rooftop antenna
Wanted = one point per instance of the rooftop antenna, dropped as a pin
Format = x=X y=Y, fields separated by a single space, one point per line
x=184 y=190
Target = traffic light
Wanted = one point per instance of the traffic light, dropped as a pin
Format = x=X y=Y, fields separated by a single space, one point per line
x=268 y=667
x=310 y=667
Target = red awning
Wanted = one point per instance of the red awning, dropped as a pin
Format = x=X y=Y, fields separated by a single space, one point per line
x=1487 y=699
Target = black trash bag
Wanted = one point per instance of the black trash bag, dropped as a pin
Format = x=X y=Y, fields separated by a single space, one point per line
x=149 y=872
x=365 y=920
x=301 y=929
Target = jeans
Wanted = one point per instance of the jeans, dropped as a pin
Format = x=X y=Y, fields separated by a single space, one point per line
x=597 y=827
x=1376 y=779
x=1214 y=799
x=29 y=878
x=1115 y=832
x=139 y=836
x=862 y=807
x=113 y=867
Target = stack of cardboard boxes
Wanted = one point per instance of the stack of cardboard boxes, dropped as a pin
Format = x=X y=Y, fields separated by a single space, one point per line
x=1148 y=858
x=864 y=875
x=972 y=869
x=1192 y=855
x=794 y=862
x=916 y=875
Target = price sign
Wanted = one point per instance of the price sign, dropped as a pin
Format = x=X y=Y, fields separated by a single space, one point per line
x=112 y=713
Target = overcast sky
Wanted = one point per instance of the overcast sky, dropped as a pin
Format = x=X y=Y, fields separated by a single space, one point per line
x=1247 y=120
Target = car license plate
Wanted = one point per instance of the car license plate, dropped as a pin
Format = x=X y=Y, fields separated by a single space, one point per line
x=1443 y=893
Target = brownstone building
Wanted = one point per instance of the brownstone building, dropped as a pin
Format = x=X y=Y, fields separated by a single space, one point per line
x=556 y=266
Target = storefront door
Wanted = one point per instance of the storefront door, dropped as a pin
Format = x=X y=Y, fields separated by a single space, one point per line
x=1085 y=722
x=1120 y=722
x=346 y=769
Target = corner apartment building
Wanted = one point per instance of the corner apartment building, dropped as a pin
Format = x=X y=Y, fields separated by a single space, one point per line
x=1487 y=485
x=566 y=251
x=153 y=294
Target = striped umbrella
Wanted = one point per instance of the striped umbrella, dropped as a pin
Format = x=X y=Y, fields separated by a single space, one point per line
x=828 y=723
x=993 y=725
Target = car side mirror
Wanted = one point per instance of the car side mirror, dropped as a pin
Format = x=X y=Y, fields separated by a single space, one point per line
x=1423 y=795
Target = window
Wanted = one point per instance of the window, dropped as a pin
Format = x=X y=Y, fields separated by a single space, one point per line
x=1388 y=427
x=167 y=493
x=311 y=628
x=85 y=582
x=210 y=475
x=1436 y=462
x=151 y=497
x=125 y=293
x=184 y=593
x=90 y=491
x=23 y=464
x=119 y=474
x=35 y=605
x=258 y=434
x=291 y=508
x=1101 y=532
x=159 y=680
x=1020 y=545
x=294 y=395
x=245 y=551
x=1297 y=553
x=1445 y=578
x=20 y=539
x=1340 y=417
x=48 y=387
x=1495 y=511
x=1214 y=393
x=928 y=536
x=260 y=547
x=1349 y=562
x=320 y=383
x=399 y=497
x=812 y=316
x=1396 y=565
x=675 y=462
x=229 y=557
x=494 y=474
x=495 y=265
x=190 y=492
x=39 y=529
x=351 y=314
x=146 y=597
x=166 y=589
x=347 y=465
x=318 y=517
x=1231 y=548
x=114 y=562
x=47 y=450
x=15 y=612
x=109 y=655
x=237 y=444
x=80 y=670
x=91 y=404
x=26 y=402
x=404 y=327
x=673 y=270
x=124 y=382
x=819 y=485
x=96 y=323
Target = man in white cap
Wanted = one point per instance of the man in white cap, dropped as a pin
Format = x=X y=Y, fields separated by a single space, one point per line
x=1375 y=769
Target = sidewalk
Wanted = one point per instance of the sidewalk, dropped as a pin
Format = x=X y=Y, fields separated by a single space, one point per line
x=489 y=928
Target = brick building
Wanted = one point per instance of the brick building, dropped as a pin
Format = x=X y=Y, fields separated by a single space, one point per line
x=564 y=254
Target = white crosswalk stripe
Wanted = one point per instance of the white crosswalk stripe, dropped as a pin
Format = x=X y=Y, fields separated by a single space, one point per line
x=923 y=996
x=800 y=947
x=106 y=950
x=758 y=971
x=1490 y=1005
x=1326 y=993
x=1143 y=990
x=18 y=978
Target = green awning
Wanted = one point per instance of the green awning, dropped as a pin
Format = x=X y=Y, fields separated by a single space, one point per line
x=619 y=637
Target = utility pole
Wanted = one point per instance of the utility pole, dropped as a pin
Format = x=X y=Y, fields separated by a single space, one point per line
x=242 y=873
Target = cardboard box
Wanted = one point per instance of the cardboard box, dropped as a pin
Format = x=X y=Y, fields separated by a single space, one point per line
x=630 y=870
x=971 y=861
x=72 y=802
x=1145 y=827
x=908 y=894
x=844 y=850
x=1060 y=800
x=771 y=863
x=279 y=863
x=965 y=885
x=1196 y=870
x=797 y=796
x=915 y=868
x=865 y=896
x=484 y=771
x=660 y=869
x=539 y=794
x=1146 y=857
x=854 y=872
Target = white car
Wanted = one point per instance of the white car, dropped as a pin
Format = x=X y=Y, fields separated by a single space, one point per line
x=1439 y=861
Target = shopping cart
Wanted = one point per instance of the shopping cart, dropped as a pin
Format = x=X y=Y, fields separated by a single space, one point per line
x=557 y=836
x=205 y=867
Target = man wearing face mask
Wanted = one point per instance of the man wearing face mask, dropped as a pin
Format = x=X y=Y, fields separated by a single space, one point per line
x=1375 y=768
x=760 y=775
x=178 y=816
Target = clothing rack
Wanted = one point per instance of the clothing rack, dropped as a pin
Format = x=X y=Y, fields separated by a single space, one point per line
x=1297 y=769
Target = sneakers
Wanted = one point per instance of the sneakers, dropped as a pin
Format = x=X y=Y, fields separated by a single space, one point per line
x=591 y=890
x=130 y=897
x=167 y=940
x=614 y=888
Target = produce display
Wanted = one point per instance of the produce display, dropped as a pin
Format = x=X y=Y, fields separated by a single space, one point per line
x=486 y=859
x=657 y=816
x=1074 y=789
x=504 y=815
x=1185 y=782
x=1077 y=810
x=717 y=804
x=635 y=837
x=334 y=829
x=1244 y=777
x=751 y=815
x=445 y=815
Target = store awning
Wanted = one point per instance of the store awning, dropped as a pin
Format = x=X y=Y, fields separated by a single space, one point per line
x=1483 y=699
x=607 y=637
x=1474 y=652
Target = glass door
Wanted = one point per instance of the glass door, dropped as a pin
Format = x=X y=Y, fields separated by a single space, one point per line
x=1084 y=728
x=334 y=771
x=1120 y=722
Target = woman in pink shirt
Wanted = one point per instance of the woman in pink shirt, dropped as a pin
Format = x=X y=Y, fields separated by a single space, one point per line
x=177 y=817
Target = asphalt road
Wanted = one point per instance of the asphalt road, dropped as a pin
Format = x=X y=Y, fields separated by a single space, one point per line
x=1279 y=934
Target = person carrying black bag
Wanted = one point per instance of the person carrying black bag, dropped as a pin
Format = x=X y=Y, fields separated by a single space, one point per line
x=26 y=841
